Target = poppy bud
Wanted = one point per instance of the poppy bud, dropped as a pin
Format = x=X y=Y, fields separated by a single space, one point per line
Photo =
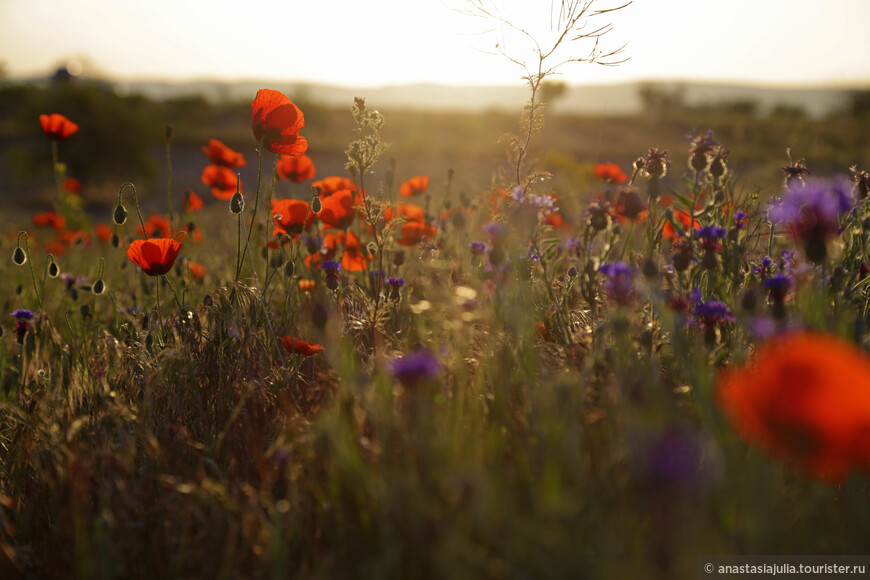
x=237 y=203
x=53 y=269
x=169 y=131
x=149 y=341
x=316 y=205
x=207 y=300
x=99 y=287
x=85 y=310
x=398 y=257
x=19 y=256
x=289 y=269
x=116 y=240
x=572 y=272
x=19 y=289
x=120 y=215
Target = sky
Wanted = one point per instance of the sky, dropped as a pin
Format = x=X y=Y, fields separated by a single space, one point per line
x=386 y=42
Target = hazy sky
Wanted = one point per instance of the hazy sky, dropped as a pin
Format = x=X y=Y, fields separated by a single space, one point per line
x=377 y=42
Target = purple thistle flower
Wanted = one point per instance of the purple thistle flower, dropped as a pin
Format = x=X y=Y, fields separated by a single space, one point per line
x=332 y=271
x=395 y=283
x=495 y=230
x=712 y=313
x=22 y=314
x=416 y=367
x=710 y=238
x=618 y=282
x=477 y=248
x=740 y=219
x=778 y=285
x=22 y=326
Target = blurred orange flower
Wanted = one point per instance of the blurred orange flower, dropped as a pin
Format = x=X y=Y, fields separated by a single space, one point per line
x=353 y=259
x=157 y=226
x=72 y=185
x=306 y=285
x=221 y=180
x=220 y=154
x=293 y=344
x=155 y=256
x=684 y=218
x=414 y=186
x=291 y=216
x=804 y=397
x=57 y=127
x=610 y=172
x=276 y=122
x=337 y=210
x=333 y=183
x=50 y=219
x=104 y=232
x=197 y=270
x=192 y=202
x=412 y=233
x=296 y=169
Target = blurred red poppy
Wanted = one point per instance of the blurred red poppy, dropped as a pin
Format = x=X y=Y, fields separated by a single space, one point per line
x=412 y=233
x=333 y=183
x=276 y=123
x=192 y=202
x=611 y=173
x=57 y=127
x=104 y=232
x=157 y=226
x=291 y=216
x=50 y=219
x=304 y=348
x=306 y=285
x=684 y=218
x=296 y=169
x=221 y=180
x=804 y=397
x=197 y=270
x=414 y=186
x=155 y=256
x=220 y=154
x=72 y=185
x=337 y=210
x=353 y=259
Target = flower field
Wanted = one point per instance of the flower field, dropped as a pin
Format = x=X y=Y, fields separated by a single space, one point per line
x=372 y=374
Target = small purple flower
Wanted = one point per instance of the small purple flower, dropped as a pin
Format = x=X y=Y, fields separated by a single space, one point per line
x=712 y=313
x=778 y=285
x=477 y=248
x=618 y=282
x=710 y=238
x=414 y=368
x=395 y=283
x=518 y=194
x=332 y=271
x=763 y=266
x=495 y=230
x=22 y=325
x=22 y=314
x=740 y=219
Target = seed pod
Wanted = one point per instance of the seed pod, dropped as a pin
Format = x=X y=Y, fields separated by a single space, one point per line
x=85 y=310
x=99 y=287
x=289 y=269
x=316 y=205
x=116 y=240
x=19 y=256
x=237 y=203
x=120 y=215
x=53 y=269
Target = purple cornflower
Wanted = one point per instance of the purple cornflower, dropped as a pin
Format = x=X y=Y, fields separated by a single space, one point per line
x=477 y=248
x=618 y=282
x=332 y=271
x=812 y=213
x=711 y=313
x=495 y=230
x=416 y=367
x=778 y=285
x=21 y=325
x=395 y=283
x=710 y=238
x=763 y=266
x=740 y=219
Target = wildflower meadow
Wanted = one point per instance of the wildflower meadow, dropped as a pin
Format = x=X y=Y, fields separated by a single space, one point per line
x=374 y=373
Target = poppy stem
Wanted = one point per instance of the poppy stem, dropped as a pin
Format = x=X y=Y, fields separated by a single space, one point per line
x=30 y=263
x=136 y=203
x=55 y=166
x=269 y=211
x=253 y=214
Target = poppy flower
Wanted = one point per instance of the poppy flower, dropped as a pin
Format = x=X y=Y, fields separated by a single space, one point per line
x=333 y=183
x=296 y=168
x=276 y=123
x=804 y=397
x=337 y=210
x=306 y=285
x=197 y=270
x=414 y=186
x=57 y=127
x=611 y=173
x=156 y=226
x=412 y=233
x=291 y=216
x=50 y=219
x=155 y=256
x=353 y=259
x=629 y=205
x=104 y=232
x=72 y=185
x=220 y=154
x=304 y=348
x=192 y=202
x=684 y=218
x=222 y=181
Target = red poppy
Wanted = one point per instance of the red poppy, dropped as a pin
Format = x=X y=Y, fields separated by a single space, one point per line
x=412 y=233
x=610 y=172
x=298 y=169
x=337 y=210
x=333 y=183
x=353 y=259
x=57 y=127
x=291 y=216
x=293 y=344
x=414 y=186
x=684 y=218
x=629 y=205
x=192 y=202
x=155 y=256
x=50 y=219
x=276 y=122
x=555 y=220
x=73 y=237
x=197 y=270
x=497 y=199
x=192 y=232
x=804 y=397
x=220 y=154
x=221 y=180
x=104 y=232
x=72 y=185
x=156 y=226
